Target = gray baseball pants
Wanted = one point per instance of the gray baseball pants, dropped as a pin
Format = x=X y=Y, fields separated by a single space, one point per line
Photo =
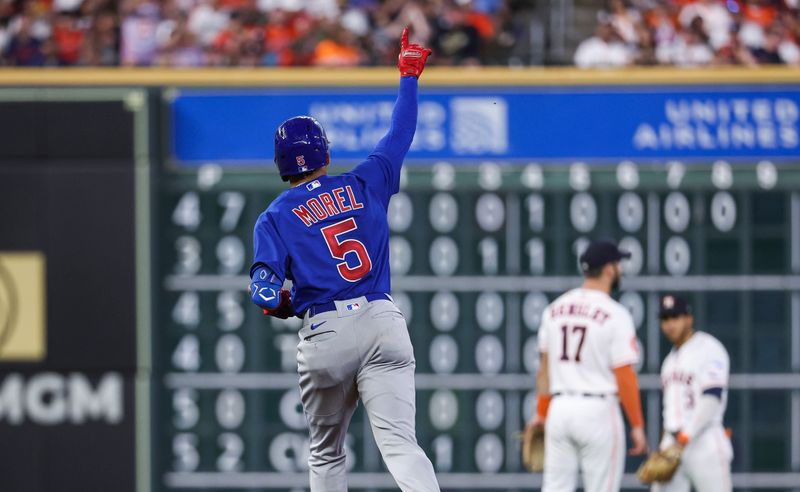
x=361 y=350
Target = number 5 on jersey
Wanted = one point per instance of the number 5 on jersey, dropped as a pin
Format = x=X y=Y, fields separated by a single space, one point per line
x=340 y=249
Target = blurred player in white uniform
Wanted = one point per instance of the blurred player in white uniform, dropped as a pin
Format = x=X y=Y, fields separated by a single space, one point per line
x=694 y=378
x=588 y=347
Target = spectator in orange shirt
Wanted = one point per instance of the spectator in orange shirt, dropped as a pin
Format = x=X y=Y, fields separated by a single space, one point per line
x=279 y=34
x=338 y=50
x=480 y=21
x=760 y=12
x=68 y=36
x=234 y=5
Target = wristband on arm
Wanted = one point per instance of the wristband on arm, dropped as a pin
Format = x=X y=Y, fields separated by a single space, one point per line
x=265 y=288
x=542 y=405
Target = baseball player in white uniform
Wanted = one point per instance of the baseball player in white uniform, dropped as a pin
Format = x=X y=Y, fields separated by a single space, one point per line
x=588 y=347
x=694 y=378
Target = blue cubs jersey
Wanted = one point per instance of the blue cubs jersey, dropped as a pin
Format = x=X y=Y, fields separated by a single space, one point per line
x=330 y=236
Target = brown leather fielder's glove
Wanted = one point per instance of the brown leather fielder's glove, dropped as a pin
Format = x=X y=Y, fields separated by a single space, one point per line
x=660 y=466
x=533 y=448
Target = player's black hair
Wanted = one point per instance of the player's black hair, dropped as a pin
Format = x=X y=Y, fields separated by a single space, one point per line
x=294 y=178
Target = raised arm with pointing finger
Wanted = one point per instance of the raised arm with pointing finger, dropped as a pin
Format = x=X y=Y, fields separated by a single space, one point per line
x=330 y=236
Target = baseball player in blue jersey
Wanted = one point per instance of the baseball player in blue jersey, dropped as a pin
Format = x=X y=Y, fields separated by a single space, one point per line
x=329 y=235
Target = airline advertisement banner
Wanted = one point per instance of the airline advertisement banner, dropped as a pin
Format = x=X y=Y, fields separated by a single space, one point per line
x=504 y=124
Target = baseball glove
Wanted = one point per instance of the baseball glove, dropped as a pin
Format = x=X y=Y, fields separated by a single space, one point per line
x=533 y=448
x=660 y=466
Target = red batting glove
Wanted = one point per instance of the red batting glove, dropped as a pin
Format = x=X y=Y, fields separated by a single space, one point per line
x=412 y=58
x=284 y=309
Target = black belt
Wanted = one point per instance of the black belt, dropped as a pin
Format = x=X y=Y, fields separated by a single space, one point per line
x=586 y=395
x=331 y=305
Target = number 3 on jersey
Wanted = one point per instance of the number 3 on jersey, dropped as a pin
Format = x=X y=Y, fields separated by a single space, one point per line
x=340 y=249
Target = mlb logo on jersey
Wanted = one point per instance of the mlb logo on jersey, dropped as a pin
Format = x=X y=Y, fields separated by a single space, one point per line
x=313 y=185
x=353 y=307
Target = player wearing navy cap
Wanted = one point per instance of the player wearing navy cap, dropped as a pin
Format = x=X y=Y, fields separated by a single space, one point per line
x=588 y=347
x=329 y=235
x=694 y=379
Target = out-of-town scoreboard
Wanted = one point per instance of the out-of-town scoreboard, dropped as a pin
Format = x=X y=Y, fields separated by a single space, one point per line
x=477 y=252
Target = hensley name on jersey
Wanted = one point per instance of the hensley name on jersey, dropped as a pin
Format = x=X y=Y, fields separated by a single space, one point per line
x=326 y=204
x=588 y=311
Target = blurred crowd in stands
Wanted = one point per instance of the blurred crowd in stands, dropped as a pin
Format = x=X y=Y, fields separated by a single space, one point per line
x=193 y=33
x=694 y=33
